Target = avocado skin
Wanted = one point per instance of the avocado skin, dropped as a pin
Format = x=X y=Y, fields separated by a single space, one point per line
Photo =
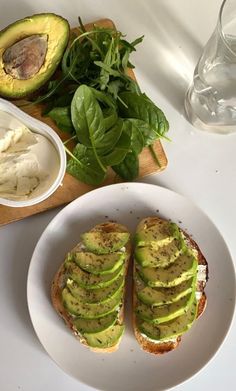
x=22 y=88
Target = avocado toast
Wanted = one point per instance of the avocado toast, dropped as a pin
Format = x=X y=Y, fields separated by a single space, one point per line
x=88 y=290
x=169 y=277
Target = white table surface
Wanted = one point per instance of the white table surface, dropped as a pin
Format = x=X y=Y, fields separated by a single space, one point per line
x=201 y=166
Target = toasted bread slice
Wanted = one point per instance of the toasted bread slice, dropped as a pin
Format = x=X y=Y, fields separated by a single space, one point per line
x=147 y=344
x=59 y=282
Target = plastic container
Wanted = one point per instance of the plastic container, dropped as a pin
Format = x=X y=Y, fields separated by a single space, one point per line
x=41 y=128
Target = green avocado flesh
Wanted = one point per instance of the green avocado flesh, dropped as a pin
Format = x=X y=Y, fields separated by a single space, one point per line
x=165 y=256
x=90 y=311
x=99 y=264
x=171 y=329
x=30 y=52
x=166 y=312
x=159 y=234
x=100 y=295
x=181 y=270
x=165 y=280
x=92 y=281
x=104 y=242
x=105 y=339
x=95 y=325
x=161 y=296
x=93 y=294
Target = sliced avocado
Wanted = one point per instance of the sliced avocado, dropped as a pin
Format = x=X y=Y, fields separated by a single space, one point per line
x=95 y=325
x=181 y=270
x=161 y=296
x=100 y=295
x=30 y=51
x=105 y=339
x=171 y=329
x=104 y=242
x=159 y=234
x=166 y=312
x=99 y=264
x=90 y=311
x=161 y=257
x=92 y=281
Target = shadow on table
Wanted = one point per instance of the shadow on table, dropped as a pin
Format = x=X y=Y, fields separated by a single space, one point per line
x=171 y=52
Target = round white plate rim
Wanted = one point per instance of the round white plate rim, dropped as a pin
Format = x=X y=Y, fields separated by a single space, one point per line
x=131 y=185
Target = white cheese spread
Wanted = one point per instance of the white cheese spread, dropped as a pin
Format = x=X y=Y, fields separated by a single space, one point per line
x=201 y=273
x=159 y=341
x=29 y=162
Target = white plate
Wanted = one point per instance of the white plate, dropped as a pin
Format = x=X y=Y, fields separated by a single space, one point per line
x=130 y=368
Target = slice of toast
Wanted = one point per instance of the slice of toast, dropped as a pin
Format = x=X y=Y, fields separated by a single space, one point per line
x=59 y=282
x=163 y=347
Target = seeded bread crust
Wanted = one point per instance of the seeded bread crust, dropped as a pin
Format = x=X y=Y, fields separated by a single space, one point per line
x=165 y=347
x=59 y=282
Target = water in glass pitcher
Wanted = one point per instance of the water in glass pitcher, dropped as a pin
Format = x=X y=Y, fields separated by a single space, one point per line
x=211 y=99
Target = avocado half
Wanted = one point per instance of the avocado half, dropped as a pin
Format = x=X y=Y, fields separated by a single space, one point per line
x=30 y=51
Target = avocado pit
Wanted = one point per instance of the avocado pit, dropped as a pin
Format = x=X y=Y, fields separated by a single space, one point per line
x=24 y=58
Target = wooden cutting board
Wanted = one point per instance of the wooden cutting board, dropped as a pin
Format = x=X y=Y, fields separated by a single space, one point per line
x=71 y=188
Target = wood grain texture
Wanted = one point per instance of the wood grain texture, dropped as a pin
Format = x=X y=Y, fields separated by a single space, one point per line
x=71 y=188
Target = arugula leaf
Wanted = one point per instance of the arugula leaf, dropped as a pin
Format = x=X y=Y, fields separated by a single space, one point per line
x=128 y=169
x=104 y=98
x=83 y=165
x=139 y=107
x=62 y=118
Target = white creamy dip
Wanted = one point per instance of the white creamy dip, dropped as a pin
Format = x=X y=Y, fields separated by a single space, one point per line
x=29 y=162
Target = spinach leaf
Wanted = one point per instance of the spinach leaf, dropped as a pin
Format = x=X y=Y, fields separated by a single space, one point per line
x=141 y=107
x=119 y=151
x=128 y=169
x=61 y=116
x=136 y=136
x=87 y=117
x=111 y=137
x=83 y=165
x=110 y=117
x=148 y=134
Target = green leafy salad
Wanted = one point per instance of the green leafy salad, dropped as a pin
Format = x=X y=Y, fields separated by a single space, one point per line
x=95 y=100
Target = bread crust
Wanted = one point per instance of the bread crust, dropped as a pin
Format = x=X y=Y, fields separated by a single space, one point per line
x=165 y=347
x=59 y=281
